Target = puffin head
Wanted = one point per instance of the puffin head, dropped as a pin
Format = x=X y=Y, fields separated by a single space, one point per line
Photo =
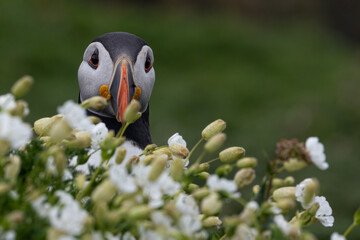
x=119 y=67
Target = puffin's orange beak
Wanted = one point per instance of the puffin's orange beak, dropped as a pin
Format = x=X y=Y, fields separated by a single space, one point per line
x=122 y=88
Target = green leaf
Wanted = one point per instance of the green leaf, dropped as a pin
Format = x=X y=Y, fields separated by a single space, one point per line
x=357 y=217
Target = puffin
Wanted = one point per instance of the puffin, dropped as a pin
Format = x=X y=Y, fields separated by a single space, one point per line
x=119 y=67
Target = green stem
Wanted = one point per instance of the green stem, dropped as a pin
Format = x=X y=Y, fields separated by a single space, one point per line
x=239 y=200
x=212 y=160
x=350 y=228
x=223 y=237
x=268 y=188
x=192 y=150
x=92 y=180
x=122 y=130
x=200 y=157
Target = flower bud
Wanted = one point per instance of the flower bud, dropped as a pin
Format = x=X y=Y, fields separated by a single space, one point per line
x=213 y=128
x=191 y=187
x=203 y=175
x=288 y=181
x=60 y=159
x=139 y=212
x=4 y=188
x=21 y=109
x=286 y=204
x=4 y=147
x=82 y=140
x=96 y=102
x=211 y=205
x=223 y=170
x=147 y=160
x=15 y=218
x=163 y=150
x=60 y=130
x=43 y=126
x=215 y=142
x=248 y=162
x=293 y=164
x=176 y=169
x=203 y=167
x=131 y=112
x=22 y=86
x=120 y=155
x=211 y=222
x=284 y=193
x=110 y=142
x=149 y=148
x=231 y=154
x=132 y=160
x=12 y=169
x=200 y=193
x=94 y=120
x=80 y=181
x=104 y=192
x=277 y=182
x=256 y=189
x=157 y=167
x=310 y=190
x=244 y=177
x=178 y=150
x=100 y=211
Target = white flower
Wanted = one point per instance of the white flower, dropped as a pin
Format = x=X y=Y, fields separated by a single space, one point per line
x=245 y=232
x=316 y=151
x=275 y=210
x=146 y=234
x=7 y=102
x=110 y=236
x=66 y=238
x=128 y=236
x=336 y=236
x=119 y=176
x=323 y=214
x=159 y=218
x=75 y=116
x=285 y=227
x=300 y=193
x=67 y=215
x=41 y=206
x=154 y=190
x=186 y=205
x=98 y=134
x=221 y=184
x=13 y=130
x=177 y=138
x=167 y=184
x=8 y=235
x=252 y=205
x=189 y=224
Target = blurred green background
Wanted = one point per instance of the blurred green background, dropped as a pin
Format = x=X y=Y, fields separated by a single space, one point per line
x=286 y=69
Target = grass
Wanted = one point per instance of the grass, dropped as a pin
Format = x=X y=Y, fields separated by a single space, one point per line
x=267 y=81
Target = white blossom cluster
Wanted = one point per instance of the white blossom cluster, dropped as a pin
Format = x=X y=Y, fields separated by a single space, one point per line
x=141 y=199
x=324 y=213
x=12 y=129
x=66 y=216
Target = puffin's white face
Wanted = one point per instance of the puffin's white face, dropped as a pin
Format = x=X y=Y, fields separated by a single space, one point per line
x=118 y=78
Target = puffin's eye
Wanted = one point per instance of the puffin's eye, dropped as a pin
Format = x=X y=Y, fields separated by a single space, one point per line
x=148 y=64
x=94 y=59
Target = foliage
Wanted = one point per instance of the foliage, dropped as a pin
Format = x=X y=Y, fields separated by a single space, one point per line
x=69 y=183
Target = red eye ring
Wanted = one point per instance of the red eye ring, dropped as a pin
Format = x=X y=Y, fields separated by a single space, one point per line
x=94 y=59
x=148 y=64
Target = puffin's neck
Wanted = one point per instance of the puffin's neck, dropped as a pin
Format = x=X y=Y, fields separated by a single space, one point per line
x=138 y=132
